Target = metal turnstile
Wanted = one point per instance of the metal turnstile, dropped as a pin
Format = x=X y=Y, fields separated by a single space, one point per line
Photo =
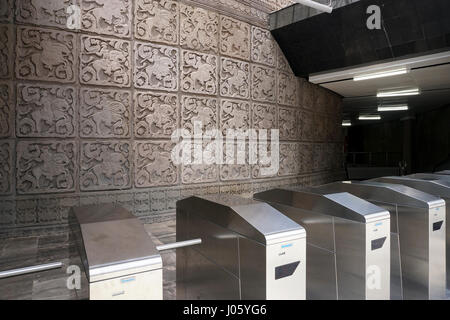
x=249 y=250
x=348 y=243
x=117 y=255
x=439 y=188
x=445 y=172
x=417 y=236
x=429 y=176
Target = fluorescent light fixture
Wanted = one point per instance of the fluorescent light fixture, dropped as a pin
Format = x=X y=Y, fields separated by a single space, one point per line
x=316 y=5
x=398 y=93
x=380 y=74
x=398 y=107
x=346 y=123
x=370 y=117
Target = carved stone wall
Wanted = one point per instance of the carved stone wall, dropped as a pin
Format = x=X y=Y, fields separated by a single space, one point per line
x=86 y=115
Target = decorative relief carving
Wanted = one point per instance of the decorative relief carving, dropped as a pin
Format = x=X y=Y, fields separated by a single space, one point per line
x=199 y=109
x=289 y=159
x=156 y=20
x=234 y=78
x=105 y=165
x=234 y=38
x=230 y=172
x=306 y=158
x=44 y=12
x=288 y=122
x=263 y=47
x=156 y=67
x=256 y=168
x=6 y=51
x=287 y=89
x=105 y=61
x=46 y=166
x=153 y=164
x=308 y=95
x=199 y=173
x=199 y=29
x=6 y=110
x=263 y=84
x=199 y=72
x=155 y=115
x=6 y=166
x=7 y=212
x=282 y=62
x=45 y=55
x=112 y=17
x=307 y=125
x=46 y=111
x=264 y=116
x=6 y=10
x=104 y=113
x=234 y=114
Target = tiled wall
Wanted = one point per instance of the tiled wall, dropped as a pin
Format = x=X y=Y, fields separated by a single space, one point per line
x=86 y=116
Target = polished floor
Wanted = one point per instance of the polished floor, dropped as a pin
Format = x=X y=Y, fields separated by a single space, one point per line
x=51 y=284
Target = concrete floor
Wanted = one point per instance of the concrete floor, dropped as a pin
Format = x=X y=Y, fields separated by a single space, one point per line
x=51 y=284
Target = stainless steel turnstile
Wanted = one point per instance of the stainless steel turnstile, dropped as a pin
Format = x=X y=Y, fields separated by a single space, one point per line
x=439 y=188
x=430 y=176
x=417 y=236
x=117 y=255
x=348 y=243
x=249 y=250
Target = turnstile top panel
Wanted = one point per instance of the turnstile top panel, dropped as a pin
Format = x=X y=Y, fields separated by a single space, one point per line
x=118 y=239
x=343 y=205
x=436 y=187
x=444 y=172
x=385 y=192
x=252 y=219
x=430 y=176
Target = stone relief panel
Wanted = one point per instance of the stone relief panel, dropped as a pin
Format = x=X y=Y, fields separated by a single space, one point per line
x=307 y=95
x=153 y=164
x=234 y=38
x=306 y=158
x=6 y=51
x=7 y=212
x=156 y=21
x=155 y=114
x=234 y=78
x=207 y=171
x=6 y=110
x=105 y=165
x=199 y=73
x=256 y=168
x=235 y=171
x=234 y=114
x=263 y=84
x=307 y=125
x=6 y=166
x=6 y=10
x=264 y=116
x=289 y=159
x=282 y=62
x=46 y=111
x=44 y=12
x=105 y=61
x=46 y=166
x=199 y=29
x=199 y=109
x=318 y=157
x=104 y=113
x=156 y=67
x=111 y=17
x=263 y=47
x=288 y=122
x=45 y=55
x=287 y=89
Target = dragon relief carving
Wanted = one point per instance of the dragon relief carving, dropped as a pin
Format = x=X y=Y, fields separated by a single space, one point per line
x=199 y=29
x=156 y=115
x=105 y=61
x=263 y=47
x=45 y=55
x=45 y=111
x=44 y=12
x=287 y=89
x=157 y=20
x=6 y=110
x=235 y=171
x=235 y=78
x=263 y=84
x=199 y=109
x=153 y=164
x=45 y=166
x=234 y=115
x=104 y=113
x=288 y=123
x=199 y=73
x=105 y=165
x=156 y=67
x=234 y=38
x=264 y=116
x=111 y=17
